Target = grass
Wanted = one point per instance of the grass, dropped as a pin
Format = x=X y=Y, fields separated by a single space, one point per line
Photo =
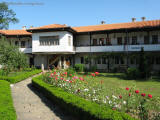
x=112 y=81
x=7 y=111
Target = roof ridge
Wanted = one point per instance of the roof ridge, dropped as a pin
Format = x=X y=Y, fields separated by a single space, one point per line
x=116 y=23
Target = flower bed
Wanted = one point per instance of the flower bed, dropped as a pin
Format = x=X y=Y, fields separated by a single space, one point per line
x=20 y=77
x=7 y=111
x=129 y=100
x=78 y=106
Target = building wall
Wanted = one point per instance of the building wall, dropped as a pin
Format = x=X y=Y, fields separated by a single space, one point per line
x=63 y=42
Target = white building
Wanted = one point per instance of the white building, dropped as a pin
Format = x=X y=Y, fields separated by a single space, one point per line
x=63 y=46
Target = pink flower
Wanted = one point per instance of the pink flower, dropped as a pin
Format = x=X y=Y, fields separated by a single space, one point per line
x=143 y=94
x=61 y=78
x=97 y=73
x=75 y=77
x=137 y=91
x=127 y=88
x=149 y=95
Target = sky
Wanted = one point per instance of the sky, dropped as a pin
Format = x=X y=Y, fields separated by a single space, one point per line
x=81 y=12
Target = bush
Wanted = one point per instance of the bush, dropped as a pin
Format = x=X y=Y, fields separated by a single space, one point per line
x=70 y=71
x=7 y=111
x=20 y=77
x=77 y=106
x=132 y=73
x=79 y=67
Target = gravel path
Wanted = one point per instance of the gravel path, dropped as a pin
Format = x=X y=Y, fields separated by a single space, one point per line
x=32 y=105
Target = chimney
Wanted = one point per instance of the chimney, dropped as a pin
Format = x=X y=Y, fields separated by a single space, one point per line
x=23 y=27
x=31 y=27
x=103 y=22
x=143 y=18
x=133 y=19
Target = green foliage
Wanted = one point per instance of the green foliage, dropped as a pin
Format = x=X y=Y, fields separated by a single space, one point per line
x=20 y=77
x=11 y=57
x=6 y=16
x=79 y=67
x=132 y=73
x=70 y=71
x=77 y=106
x=7 y=111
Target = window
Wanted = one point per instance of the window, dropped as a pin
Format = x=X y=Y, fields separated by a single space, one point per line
x=108 y=41
x=134 y=40
x=23 y=44
x=101 y=41
x=94 y=42
x=49 y=40
x=82 y=60
x=154 y=39
x=119 y=40
x=16 y=43
x=69 y=40
x=146 y=39
x=116 y=60
x=103 y=60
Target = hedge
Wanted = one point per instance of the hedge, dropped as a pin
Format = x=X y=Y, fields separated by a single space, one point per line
x=20 y=77
x=7 y=111
x=77 y=106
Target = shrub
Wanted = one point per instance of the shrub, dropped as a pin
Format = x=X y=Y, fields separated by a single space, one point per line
x=70 y=71
x=132 y=73
x=79 y=67
x=77 y=106
x=7 y=111
x=20 y=77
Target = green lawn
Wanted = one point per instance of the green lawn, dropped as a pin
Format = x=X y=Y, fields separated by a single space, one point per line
x=7 y=111
x=115 y=81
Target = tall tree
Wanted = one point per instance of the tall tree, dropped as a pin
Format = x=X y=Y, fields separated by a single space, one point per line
x=6 y=16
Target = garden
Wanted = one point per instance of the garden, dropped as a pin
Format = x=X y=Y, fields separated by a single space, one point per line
x=101 y=95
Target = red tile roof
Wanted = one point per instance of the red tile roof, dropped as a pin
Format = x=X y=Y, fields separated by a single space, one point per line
x=142 y=24
x=15 y=32
x=49 y=27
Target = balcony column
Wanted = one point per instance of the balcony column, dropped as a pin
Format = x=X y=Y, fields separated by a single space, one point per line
x=126 y=49
x=90 y=39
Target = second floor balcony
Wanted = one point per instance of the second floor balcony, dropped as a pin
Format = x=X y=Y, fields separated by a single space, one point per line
x=118 y=48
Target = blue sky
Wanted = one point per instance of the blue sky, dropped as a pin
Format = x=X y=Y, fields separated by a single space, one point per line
x=82 y=12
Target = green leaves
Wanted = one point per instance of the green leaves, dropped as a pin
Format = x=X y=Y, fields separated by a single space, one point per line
x=6 y=16
x=11 y=58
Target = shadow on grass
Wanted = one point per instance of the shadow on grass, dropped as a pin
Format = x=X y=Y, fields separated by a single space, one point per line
x=122 y=76
x=53 y=107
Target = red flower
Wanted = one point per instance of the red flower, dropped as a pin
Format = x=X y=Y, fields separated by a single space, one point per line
x=54 y=73
x=93 y=74
x=70 y=81
x=70 y=74
x=97 y=73
x=120 y=96
x=65 y=73
x=81 y=78
x=143 y=94
x=137 y=91
x=61 y=78
x=129 y=94
x=149 y=95
x=127 y=88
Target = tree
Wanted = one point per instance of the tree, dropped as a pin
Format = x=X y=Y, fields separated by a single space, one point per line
x=6 y=16
x=11 y=58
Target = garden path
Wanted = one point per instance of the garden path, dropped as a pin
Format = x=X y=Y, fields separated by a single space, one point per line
x=32 y=105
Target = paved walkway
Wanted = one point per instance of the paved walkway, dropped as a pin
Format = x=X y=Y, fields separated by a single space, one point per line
x=32 y=105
